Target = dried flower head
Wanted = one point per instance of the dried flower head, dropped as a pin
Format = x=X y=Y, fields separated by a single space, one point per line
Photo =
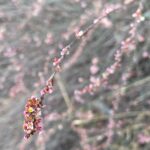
x=32 y=117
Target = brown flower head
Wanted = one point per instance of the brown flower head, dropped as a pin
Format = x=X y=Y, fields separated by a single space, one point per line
x=32 y=117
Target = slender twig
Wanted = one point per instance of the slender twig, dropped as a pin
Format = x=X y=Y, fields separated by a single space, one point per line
x=137 y=83
x=130 y=114
x=64 y=93
x=80 y=35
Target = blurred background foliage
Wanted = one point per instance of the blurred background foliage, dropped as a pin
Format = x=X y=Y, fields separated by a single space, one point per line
x=32 y=33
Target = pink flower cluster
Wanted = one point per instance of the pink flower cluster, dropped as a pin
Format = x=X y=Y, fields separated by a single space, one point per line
x=142 y=138
x=138 y=15
x=48 y=89
x=32 y=115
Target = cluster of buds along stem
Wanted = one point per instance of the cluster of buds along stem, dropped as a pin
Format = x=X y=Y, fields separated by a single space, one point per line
x=32 y=115
x=138 y=15
x=48 y=89
x=126 y=47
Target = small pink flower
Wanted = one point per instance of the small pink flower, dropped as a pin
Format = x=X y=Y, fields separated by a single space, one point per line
x=138 y=15
x=47 y=90
x=94 y=69
x=142 y=139
x=56 y=61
